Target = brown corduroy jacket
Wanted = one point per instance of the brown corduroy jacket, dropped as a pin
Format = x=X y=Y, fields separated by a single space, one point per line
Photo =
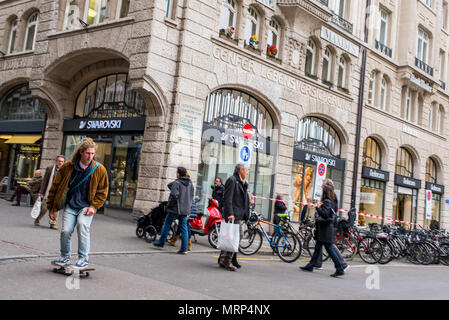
x=98 y=186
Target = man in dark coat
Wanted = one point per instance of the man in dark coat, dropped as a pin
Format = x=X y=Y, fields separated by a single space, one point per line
x=218 y=192
x=235 y=209
x=179 y=207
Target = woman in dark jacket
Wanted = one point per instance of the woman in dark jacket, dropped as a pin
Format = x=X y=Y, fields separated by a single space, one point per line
x=324 y=232
x=279 y=207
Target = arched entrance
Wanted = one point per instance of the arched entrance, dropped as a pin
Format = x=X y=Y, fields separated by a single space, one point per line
x=227 y=112
x=108 y=110
x=316 y=156
x=22 y=120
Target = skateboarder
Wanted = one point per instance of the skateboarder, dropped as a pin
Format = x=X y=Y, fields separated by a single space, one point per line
x=85 y=182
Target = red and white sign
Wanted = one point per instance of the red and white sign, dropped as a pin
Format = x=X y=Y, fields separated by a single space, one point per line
x=320 y=176
x=428 y=204
x=248 y=131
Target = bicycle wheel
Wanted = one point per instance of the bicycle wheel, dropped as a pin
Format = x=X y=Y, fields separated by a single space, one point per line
x=251 y=242
x=427 y=254
x=370 y=250
x=413 y=250
x=444 y=255
x=288 y=247
x=347 y=247
x=387 y=252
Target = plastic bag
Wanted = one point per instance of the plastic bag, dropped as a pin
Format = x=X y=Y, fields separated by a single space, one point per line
x=36 y=208
x=229 y=237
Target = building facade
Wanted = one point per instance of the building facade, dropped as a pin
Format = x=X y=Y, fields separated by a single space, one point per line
x=205 y=84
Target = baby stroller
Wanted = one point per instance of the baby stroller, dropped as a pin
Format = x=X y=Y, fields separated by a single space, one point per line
x=150 y=225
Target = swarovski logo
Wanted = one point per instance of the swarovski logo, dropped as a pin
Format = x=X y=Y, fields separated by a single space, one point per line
x=83 y=124
x=101 y=124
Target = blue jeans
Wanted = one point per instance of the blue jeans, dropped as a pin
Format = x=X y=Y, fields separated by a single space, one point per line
x=332 y=254
x=182 y=226
x=70 y=219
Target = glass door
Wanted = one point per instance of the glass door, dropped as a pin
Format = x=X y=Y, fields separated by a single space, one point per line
x=404 y=205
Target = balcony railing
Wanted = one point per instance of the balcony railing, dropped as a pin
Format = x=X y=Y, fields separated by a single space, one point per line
x=384 y=49
x=342 y=23
x=424 y=66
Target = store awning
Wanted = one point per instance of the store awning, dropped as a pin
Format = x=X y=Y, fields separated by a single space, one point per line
x=23 y=139
x=5 y=137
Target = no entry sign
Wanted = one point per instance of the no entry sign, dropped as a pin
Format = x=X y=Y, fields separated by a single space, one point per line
x=248 y=131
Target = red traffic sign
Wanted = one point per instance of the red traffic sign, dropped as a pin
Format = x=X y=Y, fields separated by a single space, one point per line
x=248 y=131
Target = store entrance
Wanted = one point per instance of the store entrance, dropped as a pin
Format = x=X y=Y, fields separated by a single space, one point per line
x=404 y=207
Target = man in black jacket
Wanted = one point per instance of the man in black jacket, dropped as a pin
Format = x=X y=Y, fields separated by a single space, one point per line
x=179 y=207
x=218 y=192
x=235 y=209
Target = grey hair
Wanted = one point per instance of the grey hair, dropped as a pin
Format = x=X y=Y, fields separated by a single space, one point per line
x=60 y=156
x=239 y=166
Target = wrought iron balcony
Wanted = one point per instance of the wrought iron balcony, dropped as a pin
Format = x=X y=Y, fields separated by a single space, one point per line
x=424 y=66
x=384 y=49
x=342 y=23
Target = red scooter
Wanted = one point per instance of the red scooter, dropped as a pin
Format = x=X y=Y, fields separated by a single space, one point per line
x=212 y=225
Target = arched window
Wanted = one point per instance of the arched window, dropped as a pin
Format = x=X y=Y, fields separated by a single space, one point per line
x=273 y=37
x=327 y=65
x=232 y=109
x=18 y=104
x=317 y=135
x=383 y=94
x=372 y=88
x=12 y=36
x=95 y=11
x=110 y=97
x=431 y=171
x=310 y=57
x=228 y=16
x=342 y=65
x=372 y=154
x=30 y=36
x=251 y=25
x=404 y=163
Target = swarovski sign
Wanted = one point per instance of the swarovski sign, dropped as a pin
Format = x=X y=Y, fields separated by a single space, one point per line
x=100 y=124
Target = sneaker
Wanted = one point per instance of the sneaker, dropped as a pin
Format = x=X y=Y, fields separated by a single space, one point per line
x=62 y=261
x=319 y=268
x=306 y=269
x=157 y=246
x=81 y=264
x=181 y=252
x=337 y=274
x=346 y=267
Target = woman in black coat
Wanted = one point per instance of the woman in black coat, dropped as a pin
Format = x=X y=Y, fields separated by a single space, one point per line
x=324 y=230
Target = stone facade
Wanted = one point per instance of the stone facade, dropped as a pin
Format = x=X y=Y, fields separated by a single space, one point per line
x=175 y=61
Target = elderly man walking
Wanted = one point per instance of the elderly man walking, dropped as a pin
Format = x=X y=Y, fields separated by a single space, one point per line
x=50 y=175
x=235 y=209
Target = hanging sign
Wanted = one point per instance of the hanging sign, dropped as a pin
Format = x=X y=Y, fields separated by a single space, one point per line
x=428 y=204
x=320 y=176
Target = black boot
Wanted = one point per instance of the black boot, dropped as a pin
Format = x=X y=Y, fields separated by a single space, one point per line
x=234 y=261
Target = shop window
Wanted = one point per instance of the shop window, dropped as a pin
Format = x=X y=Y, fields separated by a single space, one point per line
x=316 y=135
x=404 y=163
x=18 y=104
x=431 y=177
x=110 y=97
x=372 y=200
x=310 y=58
x=95 y=11
x=228 y=15
x=12 y=36
x=31 y=30
x=372 y=155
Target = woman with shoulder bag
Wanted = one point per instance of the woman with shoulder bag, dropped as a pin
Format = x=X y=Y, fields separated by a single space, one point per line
x=324 y=220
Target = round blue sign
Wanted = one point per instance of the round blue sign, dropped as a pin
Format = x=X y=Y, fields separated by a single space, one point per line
x=245 y=153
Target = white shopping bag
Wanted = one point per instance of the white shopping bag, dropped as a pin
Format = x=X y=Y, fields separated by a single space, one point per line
x=229 y=237
x=36 y=208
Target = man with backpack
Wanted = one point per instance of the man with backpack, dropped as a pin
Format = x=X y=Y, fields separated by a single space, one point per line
x=80 y=189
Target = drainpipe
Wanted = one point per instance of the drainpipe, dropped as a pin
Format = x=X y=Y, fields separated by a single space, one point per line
x=360 y=109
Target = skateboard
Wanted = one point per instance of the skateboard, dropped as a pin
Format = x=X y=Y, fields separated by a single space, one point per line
x=69 y=270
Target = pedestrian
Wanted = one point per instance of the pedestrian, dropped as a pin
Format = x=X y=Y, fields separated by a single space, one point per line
x=179 y=207
x=193 y=214
x=84 y=181
x=218 y=192
x=32 y=187
x=279 y=208
x=325 y=235
x=50 y=175
x=236 y=204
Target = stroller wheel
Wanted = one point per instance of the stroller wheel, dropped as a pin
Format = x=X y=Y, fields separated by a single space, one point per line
x=139 y=232
x=150 y=234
